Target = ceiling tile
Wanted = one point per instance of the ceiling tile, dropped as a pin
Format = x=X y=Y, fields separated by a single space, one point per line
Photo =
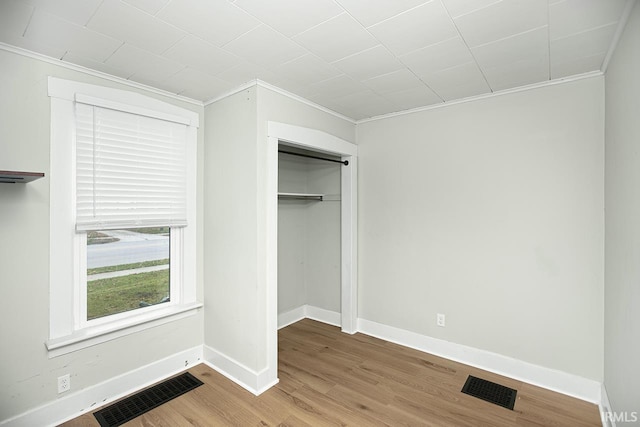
x=244 y=72
x=149 y=6
x=143 y=64
x=306 y=69
x=568 y=67
x=37 y=46
x=519 y=73
x=584 y=44
x=95 y=65
x=573 y=16
x=14 y=17
x=131 y=25
x=197 y=53
x=501 y=20
x=458 y=82
x=417 y=28
x=369 y=14
x=265 y=47
x=369 y=63
x=462 y=7
x=337 y=86
x=69 y=36
x=413 y=98
x=196 y=84
x=291 y=17
x=74 y=11
x=393 y=82
x=216 y=21
x=364 y=104
x=336 y=38
x=531 y=44
x=439 y=56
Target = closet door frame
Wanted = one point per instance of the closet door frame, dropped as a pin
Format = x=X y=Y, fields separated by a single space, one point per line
x=316 y=140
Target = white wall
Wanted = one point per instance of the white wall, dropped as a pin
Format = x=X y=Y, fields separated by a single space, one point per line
x=490 y=212
x=235 y=216
x=28 y=378
x=622 y=249
x=309 y=235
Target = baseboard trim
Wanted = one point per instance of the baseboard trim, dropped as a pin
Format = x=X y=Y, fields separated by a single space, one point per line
x=89 y=399
x=605 y=409
x=551 y=379
x=309 y=312
x=250 y=380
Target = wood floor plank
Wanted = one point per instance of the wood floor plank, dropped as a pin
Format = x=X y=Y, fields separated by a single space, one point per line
x=328 y=378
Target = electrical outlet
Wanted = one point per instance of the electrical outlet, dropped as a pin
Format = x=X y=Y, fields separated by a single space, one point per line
x=440 y=319
x=64 y=383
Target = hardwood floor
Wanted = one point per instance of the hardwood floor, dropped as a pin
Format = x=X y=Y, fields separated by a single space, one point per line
x=331 y=378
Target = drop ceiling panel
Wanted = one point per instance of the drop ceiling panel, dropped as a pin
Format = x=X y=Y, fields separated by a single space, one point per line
x=532 y=44
x=71 y=37
x=77 y=12
x=369 y=13
x=189 y=82
x=518 y=73
x=569 y=17
x=150 y=6
x=14 y=18
x=369 y=63
x=413 y=98
x=336 y=38
x=417 y=28
x=265 y=47
x=291 y=17
x=128 y=24
x=502 y=19
x=244 y=72
x=216 y=21
x=569 y=67
x=143 y=64
x=462 y=7
x=458 y=82
x=582 y=45
x=439 y=56
x=307 y=69
x=396 y=81
x=199 y=54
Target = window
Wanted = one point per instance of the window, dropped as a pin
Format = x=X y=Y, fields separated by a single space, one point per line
x=122 y=214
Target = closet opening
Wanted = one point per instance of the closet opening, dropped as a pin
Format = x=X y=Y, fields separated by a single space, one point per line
x=311 y=235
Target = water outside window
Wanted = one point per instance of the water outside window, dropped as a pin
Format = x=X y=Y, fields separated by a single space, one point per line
x=126 y=270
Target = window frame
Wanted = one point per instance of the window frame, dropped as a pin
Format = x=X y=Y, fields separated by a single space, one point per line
x=68 y=331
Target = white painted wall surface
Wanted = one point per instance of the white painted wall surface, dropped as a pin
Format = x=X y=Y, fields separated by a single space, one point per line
x=232 y=325
x=235 y=216
x=622 y=249
x=490 y=212
x=309 y=235
x=28 y=378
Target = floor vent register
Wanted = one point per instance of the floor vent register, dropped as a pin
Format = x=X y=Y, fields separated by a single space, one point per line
x=491 y=392
x=144 y=401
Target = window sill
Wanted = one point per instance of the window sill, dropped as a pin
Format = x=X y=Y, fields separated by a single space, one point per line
x=90 y=336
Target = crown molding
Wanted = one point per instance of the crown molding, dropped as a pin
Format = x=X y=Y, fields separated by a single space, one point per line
x=89 y=71
x=554 y=82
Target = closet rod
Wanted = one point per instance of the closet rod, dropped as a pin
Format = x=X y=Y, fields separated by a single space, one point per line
x=344 y=162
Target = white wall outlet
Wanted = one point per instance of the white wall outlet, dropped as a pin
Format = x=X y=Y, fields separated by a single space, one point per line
x=440 y=319
x=64 y=383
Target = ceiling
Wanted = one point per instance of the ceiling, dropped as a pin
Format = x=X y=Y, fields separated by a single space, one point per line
x=360 y=58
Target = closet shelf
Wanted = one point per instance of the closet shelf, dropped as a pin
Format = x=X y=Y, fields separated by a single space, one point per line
x=301 y=196
x=13 y=177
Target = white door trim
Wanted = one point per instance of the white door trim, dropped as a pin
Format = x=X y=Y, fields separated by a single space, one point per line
x=323 y=142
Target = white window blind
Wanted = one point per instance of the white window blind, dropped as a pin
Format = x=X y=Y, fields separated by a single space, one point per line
x=130 y=170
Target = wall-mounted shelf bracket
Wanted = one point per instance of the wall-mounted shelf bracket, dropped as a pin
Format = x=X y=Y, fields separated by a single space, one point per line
x=14 y=177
